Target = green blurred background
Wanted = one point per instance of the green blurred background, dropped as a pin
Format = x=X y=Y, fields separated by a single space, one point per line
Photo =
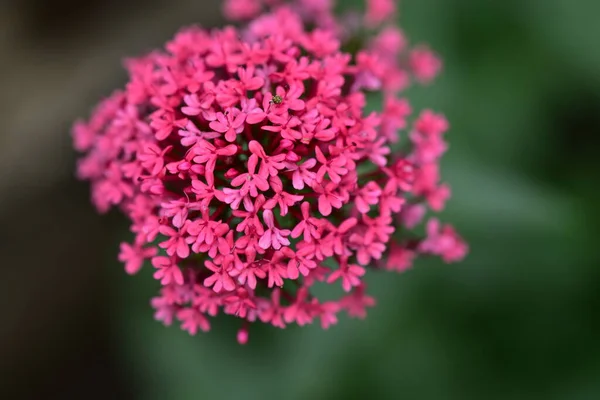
x=518 y=319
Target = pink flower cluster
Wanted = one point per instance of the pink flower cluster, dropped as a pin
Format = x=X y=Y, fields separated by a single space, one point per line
x=250 y=170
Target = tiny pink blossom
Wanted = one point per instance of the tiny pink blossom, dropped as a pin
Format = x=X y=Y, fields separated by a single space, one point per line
x=424 y=64
x=303 y=175
x=443 y=241
x=412 y=215
x=367 y=196
x=165 y=310
x=400 y=258
x=349 y=273
x=328 y=198
x=231 y=123
x=379 y=11
x=193 y=320
x=220 y=279
x=309 y=227
x=251 y=181
x=273 y=236
x=241 y=9
x=242 y=336
x=167 y=270
x=176 y=243
x=134 y=256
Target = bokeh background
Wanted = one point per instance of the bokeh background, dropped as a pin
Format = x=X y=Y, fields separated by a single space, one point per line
x=518 y=319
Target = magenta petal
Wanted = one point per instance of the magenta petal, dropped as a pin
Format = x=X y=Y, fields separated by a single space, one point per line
x=265 y=240
x=218 y=127
x=255 y=117
x=324 y=205
x=292 y=270
x=230 y=135
x=177 y=275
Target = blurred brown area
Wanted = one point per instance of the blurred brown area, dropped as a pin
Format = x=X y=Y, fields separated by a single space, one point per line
x=57 y=58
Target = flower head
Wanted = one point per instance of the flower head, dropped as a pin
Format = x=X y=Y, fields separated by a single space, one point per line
x=250 y=169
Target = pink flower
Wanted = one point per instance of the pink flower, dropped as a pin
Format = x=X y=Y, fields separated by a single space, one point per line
x=250 y=218
x=191 y=135
x=204 y=191
x=249 y=275
x=83 y=136
x=165 y=310
x=176 y=242
x=437 y=197
x=220 y=278
x=378 y=151
x=241 y=304
x=337 y=240
x=241 y=9
x=207 y=153
x=251 y=181
x=367 y=196
x=248 y=80
x=328 y=199
x=403 y=175
x=299 y=311
x=309 y=227
x=400 y=259
x=167 y=270
x=349 y=273
x=303 y=175
x=424 y=64
x=366 y=249
x=254 y=114
x=333 y=167
x=389 y=42
x=412 y=215
x=444 y=242
x=270 y=165
x=272 y=311
x=328 y=313
x=321 y=43
x=431 y=124
x=394 y=116
x=242 y=336
x=299 y=262
x=276 y=272
x=164 y=123
x=427 y=149
x=192 y=320
x=201 y=75
x=134 y=256
x=273 y=236
x=231 y=123
x=286 y=126
x=379 y=11
x=207 y=301
x=357 y=302
x=283 y=199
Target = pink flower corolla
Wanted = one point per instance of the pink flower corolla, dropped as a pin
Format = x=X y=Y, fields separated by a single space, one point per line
x=230 y=123
x=443 y=242
x=379 y=11
x=349 y=273
x=241 y=9
x=133 y=256
x=250 y=169
x=425 y=64
x=273 y=236
x=400 y=258
x=251 y=181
